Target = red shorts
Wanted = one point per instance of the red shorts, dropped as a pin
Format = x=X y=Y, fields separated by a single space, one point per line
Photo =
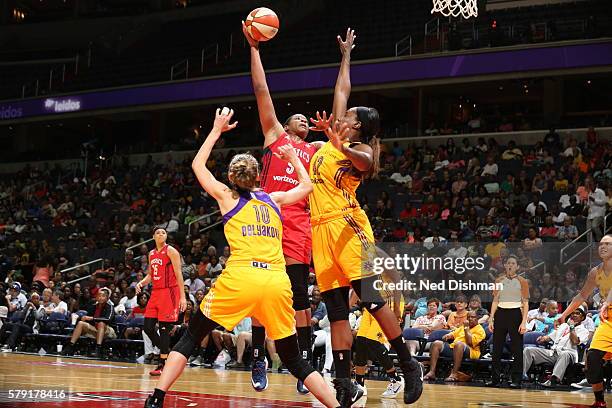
x=164 y=304
x=297 y=235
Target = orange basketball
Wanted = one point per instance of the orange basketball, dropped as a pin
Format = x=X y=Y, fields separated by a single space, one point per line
x=262 y=24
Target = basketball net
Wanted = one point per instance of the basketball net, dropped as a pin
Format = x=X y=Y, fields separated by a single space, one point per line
x=456 y=8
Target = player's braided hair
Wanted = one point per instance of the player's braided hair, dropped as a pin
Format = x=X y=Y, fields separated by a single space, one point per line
x=243 y=171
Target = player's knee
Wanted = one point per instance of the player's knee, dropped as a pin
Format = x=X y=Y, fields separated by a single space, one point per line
x=336 y=301
x=594 y=373
x=371 y=299
x=185 y=345
x=289 y=354
x=149 y=326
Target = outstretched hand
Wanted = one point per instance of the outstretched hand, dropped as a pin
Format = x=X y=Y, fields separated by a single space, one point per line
x=252 y=42
x=222 y=120
x=321 y=122
x=286 y=153
x=347 y=45
x=338 y=134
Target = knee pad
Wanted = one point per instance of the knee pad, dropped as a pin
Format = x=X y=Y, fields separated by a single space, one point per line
x=186 y=345
x=298 y=275
x=594 y=373
x=361 y=352
x=336 y=302
x=149 y=325
x=370 y=298
x=289 y=353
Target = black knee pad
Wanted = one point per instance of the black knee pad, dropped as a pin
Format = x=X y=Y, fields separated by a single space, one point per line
x=289 y=353
x=337 y=304
x=361 y=352
x=594 y=372
x=149 y=326
x=370 y=297
x=298 y=275
x=186 y=345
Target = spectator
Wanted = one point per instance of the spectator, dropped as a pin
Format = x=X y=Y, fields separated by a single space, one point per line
x=535 y=315
x=429 y=322
x=194 y=283
x=552 y=140
x=15 y=299
x=57 y=304
x=549 y=231
x=28 y=323
x=214 y=268
x=464 y=343
x=512 y=152
x=564 y=350
x=459 y=317
x=490 y=169
x=535 y=203
x=597 y=209
x=568 y=231
x=432 y=130
x=96 y=324
x=408 y=212
x=318 y=309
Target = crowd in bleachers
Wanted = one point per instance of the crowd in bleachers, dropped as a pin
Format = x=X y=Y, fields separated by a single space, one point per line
x=452 y=198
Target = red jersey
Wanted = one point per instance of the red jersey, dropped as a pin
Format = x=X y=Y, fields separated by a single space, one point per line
x=278 y=175
x=163 y=272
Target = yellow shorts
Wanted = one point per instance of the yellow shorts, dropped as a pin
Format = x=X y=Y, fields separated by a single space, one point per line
x=340 y=247
x=246 y=291
x=370 y=329
x=602 y=340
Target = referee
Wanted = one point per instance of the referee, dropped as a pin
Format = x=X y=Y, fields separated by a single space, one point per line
x=509 y=316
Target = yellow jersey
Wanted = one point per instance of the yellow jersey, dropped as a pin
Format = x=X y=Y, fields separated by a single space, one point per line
x=254 y=231
x=334 y=180
x=604 y=282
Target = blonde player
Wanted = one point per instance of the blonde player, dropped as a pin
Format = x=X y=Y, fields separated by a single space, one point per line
x=254 y=282
x=601 y=345
x=341 y=232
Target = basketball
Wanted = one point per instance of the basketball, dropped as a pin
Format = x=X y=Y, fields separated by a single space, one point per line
x=262 y=24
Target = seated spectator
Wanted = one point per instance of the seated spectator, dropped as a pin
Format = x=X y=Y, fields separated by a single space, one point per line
x=572 y=149
x=432 y=130
x=532 y=242
x=458 y=317
x=408 y=212
x=552 y=312
x=137 y=311
x=214 y=268
x=535 y=315
x=561 y=183
x=57 y=304
x=475 y=305
x=130 y=300
x=429 y=322
x=26 y=324
x=488 y=230
x=568 y=231
x=534 y=204
x=382 y=211
x=491 y=168
x=194 y=282
x=552 y=140
x=549 y=231
x=564 y=350
x=96 y=324
x=15 y=299
x=463 y=342
x=512 y=152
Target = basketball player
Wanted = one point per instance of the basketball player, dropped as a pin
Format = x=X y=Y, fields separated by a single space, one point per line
x=341 y=232
x=167 y=297
x=254 y=282
x=278 y=175
x=601 y=345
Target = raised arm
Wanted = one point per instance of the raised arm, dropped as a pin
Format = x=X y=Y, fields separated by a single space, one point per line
x=360 y=155
x=270 y=125
x=342 y=91
x=304 y=187
x=215 y=188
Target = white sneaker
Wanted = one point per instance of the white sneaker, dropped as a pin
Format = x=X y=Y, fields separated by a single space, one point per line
x=393 y=389
x=362 y=388
x=196 y=361
x=223 y=358
x=580 y=385
x=6 y=349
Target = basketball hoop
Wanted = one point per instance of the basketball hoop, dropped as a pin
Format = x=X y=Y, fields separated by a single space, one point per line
x=456 y=8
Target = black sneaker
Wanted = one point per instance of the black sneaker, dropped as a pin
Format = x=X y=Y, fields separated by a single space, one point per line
x=68 y=350
x=413 y=381
x=153 y=402
x=347 y=393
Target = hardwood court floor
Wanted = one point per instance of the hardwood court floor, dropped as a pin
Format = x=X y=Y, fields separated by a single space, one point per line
x=94 y=384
